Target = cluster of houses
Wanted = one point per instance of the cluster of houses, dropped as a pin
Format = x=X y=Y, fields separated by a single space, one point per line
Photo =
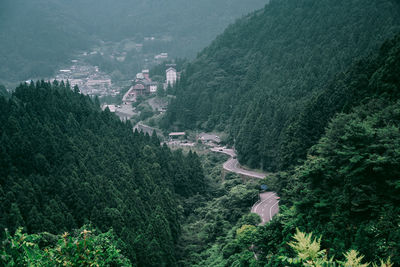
x=144 y=86
x=90 y=80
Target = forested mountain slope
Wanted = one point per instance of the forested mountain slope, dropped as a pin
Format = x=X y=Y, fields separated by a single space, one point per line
x=347 y=90
x=65 y=163
x=3 y=90
x=256 y=77
x=348 y=189
x=37 y=36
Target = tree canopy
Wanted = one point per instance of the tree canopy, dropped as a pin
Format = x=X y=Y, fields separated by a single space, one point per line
x=65 y=163
x=256 y=77
x=347 y=190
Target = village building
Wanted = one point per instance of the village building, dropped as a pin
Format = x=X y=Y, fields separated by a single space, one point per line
x=161 y=56
x=142 y=85
x=144 y=79
x=129 y=97
x=209 y=138
x=171 y=76
x=139 y=89
x=175 y=135
x=99 y=82
x=139 y=76
x=79 y=82
x=152 y=87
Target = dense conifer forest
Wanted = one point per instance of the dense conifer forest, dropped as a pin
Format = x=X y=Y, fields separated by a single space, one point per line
x=308 y=89
x=347 y=191
x=65 y=163
x=255 y=78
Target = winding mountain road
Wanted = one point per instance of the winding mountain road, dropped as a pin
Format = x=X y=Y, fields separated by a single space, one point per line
x=232 y=165
x=266 y=207
x=146 y=129
x=268 y=204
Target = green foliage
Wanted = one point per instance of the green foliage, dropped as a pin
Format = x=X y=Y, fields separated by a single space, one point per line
x=145 y=111
x=244 y=234
x=308 y=250
x=3 y=91
x=212 y=222
x=64 y=163
x=255 y=79
x=371 y=77
x=309 y=253
x=353 y=259
x=85 y=248
x=160 y=91
x=347 y=189
x=357 y=163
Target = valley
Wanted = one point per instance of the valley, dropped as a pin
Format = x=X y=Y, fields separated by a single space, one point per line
x=200 y=133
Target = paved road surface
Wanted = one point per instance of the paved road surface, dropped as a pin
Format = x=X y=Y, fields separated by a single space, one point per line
x=232 y=164
x=266 y=207
x=146 y=129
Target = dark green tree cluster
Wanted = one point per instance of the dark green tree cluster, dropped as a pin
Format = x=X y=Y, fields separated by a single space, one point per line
x=348 y=188
x=256 y=78
x=3 y=90
x=213 y=218
x=65 y=163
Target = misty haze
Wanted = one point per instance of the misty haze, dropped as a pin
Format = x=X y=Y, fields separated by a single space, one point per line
x=200 y=133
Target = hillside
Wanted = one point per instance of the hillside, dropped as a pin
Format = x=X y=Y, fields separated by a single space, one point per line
x=347 y=191
x=65 y=163
x=37 y=37
x=3 y=91
x=348 y=188
x=256 y=77
x=308 y=90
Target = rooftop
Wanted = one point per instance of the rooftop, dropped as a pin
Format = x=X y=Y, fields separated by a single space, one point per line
x=138 y=87
x=170 y=69
x=177 y=134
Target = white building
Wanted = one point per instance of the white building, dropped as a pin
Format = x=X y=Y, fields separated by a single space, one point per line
x=161 y=56
x=153 y=88
x=171 y=76
x=139 y=76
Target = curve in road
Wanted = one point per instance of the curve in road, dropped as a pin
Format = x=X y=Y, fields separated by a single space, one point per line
x=145 y=128
x=232 y=165
x=268 y=204
x=266 y=207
